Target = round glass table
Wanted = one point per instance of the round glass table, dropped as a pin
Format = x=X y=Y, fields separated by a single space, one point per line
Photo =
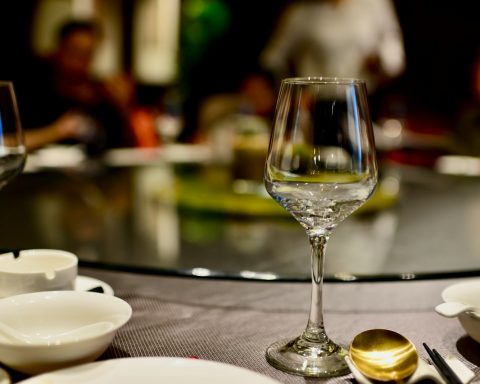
x=172 y=211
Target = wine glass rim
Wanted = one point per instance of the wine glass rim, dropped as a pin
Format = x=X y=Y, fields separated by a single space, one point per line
x=322 y=80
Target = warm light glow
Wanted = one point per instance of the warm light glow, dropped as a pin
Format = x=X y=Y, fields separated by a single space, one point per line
x=390 y=185
x=458 y=165
x=258 y=275
x=155 y=40
x=392 y=128
x=203 y=272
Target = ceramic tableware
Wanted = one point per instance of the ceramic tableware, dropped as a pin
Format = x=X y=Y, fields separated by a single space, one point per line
x=48 y=318
x=37 y=270
x=462 y=300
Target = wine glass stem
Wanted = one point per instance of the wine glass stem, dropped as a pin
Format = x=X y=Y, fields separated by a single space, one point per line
x=315 y=331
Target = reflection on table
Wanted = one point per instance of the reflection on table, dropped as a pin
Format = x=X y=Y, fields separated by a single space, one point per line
x=171 y=210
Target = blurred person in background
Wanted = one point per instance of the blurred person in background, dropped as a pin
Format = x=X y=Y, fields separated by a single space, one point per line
x=62 y=101
x=255 y=95
x=338 y=38
x=235 y=126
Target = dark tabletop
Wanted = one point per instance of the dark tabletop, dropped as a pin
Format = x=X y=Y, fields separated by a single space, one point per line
x=234 y=321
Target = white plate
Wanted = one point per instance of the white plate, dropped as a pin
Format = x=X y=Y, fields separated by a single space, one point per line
x=57 y=156
x=152 y=370
x=84 y=283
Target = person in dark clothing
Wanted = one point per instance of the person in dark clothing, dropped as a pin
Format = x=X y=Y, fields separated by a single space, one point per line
x=61 y=101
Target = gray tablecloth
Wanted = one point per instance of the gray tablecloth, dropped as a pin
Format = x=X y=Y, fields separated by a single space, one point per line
x=234 y=321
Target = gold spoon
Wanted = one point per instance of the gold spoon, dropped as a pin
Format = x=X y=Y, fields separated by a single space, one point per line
x=384 y=355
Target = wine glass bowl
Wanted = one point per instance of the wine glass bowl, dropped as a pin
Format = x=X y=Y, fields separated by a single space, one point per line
x=321 y=166
x=12 y=149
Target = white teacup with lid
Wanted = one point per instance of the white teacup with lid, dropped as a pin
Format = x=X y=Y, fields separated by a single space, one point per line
x=37 y=270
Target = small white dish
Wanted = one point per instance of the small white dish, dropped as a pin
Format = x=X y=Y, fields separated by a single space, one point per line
x=57 y=156
x=424 y=371
x=85 y=283
x=37 y=270
x=153 y=370
x=48 y=315
x=466 y=294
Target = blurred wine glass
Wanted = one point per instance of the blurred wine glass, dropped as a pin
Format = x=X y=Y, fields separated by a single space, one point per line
x=12 y=147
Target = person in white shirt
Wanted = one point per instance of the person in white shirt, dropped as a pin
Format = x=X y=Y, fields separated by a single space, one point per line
x=337 y=38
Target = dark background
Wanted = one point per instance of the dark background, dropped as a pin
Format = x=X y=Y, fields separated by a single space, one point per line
x=441 y=43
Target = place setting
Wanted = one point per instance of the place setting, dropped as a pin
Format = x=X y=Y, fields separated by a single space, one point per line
x=321 y=166
x=381 y=355
x=55 y=323
x=51 y=317
x=384 y=355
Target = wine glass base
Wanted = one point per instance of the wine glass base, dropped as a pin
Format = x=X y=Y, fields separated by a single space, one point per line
x=304 y=358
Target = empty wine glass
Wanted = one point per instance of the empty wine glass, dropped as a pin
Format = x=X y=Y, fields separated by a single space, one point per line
x=321 y=166
x=12 y=148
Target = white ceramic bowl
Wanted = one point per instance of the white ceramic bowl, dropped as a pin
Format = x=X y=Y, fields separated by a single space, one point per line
x=467 y=293
x=37 y=270
x=48 y=315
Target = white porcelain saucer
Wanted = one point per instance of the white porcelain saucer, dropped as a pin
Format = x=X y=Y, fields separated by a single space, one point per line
x=85 y=283
x=153 y=370
x=424 y=371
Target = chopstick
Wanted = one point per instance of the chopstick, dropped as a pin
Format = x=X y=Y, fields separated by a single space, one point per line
x=443 y=368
